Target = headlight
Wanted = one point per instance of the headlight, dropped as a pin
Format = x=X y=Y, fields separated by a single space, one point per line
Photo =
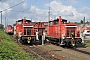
x=29 y=38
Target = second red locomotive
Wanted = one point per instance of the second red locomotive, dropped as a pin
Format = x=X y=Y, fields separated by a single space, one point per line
x=63 y=33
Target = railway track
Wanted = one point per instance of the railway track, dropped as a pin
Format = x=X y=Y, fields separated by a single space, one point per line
x=46 y=54
x=28 y=50
x=81 y=51
x=50 y=53
x=78 y=50
x=39 y=52
x=67 y=53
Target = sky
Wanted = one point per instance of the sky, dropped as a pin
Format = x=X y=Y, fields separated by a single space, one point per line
x=37 y=10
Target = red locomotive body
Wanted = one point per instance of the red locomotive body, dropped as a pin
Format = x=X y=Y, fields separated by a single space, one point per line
x=39 y=27
x=63 y=33
x=9 y=29
x=25 y=31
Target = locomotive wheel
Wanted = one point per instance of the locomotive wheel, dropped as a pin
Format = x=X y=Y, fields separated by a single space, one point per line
x=32 y=42
x=22 y=41
x=67 y=44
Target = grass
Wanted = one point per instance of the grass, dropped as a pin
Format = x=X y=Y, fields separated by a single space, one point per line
x=9 y=50
x=87 y=44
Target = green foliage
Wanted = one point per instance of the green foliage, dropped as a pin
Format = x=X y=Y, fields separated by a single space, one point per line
x=14 y=24
x=87 y=45
x=3 y=35
x=88 y=23
x=1 y=26
x=9 y=50
x=76 y=23
x=81 y=22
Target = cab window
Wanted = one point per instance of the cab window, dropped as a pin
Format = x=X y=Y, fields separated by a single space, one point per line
x=55 y=21
x=88 y=31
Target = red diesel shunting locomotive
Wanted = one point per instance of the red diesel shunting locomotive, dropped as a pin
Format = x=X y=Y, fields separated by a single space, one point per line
x=25 y=31
x=9 y=29
x=63 y=33
x=29 y=32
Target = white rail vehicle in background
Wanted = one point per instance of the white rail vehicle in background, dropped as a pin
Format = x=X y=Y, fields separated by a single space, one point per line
x=86 y=34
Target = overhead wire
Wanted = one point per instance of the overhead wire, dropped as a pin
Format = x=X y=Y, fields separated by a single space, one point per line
x=14 y=6
x=26 y=8
x=34 y=2
x=9 y=8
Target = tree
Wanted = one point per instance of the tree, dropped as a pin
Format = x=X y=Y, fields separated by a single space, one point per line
x=14 y=24
x=81 y=21
x=1 y=26
x=87 y=22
